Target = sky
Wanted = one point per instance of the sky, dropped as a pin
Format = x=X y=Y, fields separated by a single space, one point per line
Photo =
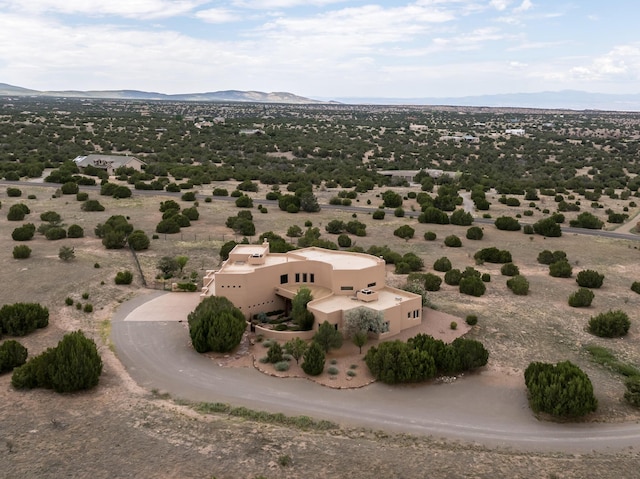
x=323 y=49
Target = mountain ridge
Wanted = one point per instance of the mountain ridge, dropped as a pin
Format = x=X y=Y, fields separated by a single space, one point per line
x=558 y=100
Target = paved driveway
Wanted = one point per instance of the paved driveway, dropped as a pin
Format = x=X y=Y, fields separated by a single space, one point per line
x=152 y=341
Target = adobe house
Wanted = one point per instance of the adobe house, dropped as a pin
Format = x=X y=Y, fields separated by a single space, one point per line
x=256 y=281
x=110 y=163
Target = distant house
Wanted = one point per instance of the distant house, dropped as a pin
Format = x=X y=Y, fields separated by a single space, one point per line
x=110 y=163
x=256 y=281
x=410 y=175
x=514 y=131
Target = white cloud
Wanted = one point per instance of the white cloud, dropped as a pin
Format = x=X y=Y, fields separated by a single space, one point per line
x=123 y=8
x=524 y=6
x=279 y=4
x=622 y=61
x=218 y=15
x=500 y=4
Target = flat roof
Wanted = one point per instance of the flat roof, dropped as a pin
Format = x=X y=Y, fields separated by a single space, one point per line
x=339 y=259
x=387 y=297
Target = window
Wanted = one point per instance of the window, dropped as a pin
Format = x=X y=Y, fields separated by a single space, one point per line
x=346 y=288
x=284 y=278
x=371 y=285
x=312 y=278
x=408 y=315
x=297 y=277
x=304 y=277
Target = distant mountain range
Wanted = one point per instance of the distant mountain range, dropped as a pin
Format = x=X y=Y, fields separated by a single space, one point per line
x=550 y=100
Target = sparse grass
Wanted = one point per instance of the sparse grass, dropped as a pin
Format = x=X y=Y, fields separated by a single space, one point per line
x=105 y=334
x=299 y=422
x=606 y=358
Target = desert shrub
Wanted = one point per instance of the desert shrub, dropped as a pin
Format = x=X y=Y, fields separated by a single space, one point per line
x=192 y=213
x=586 y=220
x=632 y=394
x=344 y=241
x=475 y=233
x=275 y=353
x=378 y=215
x=12 y=355
x=453 y=277
x=281 y=366
x=88 y=308
x=453 y=325
x=24 y=232
x=493 y=255
x=472 y=285
x=509 y=269
x=68 y=301
x=562 y=390
x=547 y=227
x=21 y=252
x=313 y=360
x=461 y=218
x=635 y=287
x=560 y=269
x=73 y=365
x=333 y=370
x=17 y=212
x=518 y=285
x=589 y=278
x=452 y=241
x=405 y=232
x=432 y=282
x=138 y=240
x=168 y=226
x=548 y=257
x=82 y=196
x=92 y=205
x=75 y=231
x=398 y=212
x=69 y=188
x=221 y=192
x=55 y=233
x=188 y=196
x=507 y=223
x=394 y=362
x=124 y=277
x=442 y=264
x=471 y=319
x=430 y=236
x=434 y=215
x=528 y=230
x=216 y=325
x=581 y=298
x=189 y=286
x=13 y=192
x=486 y=277
x=612 y=324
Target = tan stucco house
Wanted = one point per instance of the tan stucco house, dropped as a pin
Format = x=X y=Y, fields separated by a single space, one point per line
x=109 y=162
x=256 y=281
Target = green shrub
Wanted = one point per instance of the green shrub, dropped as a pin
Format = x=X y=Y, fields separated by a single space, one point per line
x=55 y=233
x=486 y=277
x=507 y=223
x=21 y=252
x=17 y=212
x=12 y=355
x=475 y=233
x=73 y=365
x=275 y=353
x=547 y=257
x=612 y=324
x=75 y=231
x=430 y=236
x=216 y=325
x=92 y=205
x=492 y=255
x=14 y=192
x=88 y=308
x=509 y=269
x=560 y=269
x=68 y=301
x=405 y=232
x=528 y=230
x=589 y=278
x=313 y=360
x=547 y=227
x=635 y=287
x=452 y=241
x=472 y=285
x=442 y=264
x=394 y=362
x=124 y=277
x=378 y=215
x=24 y=232
x=138 y=240
x=82 y=196
x=332 y=370
x=562 y=390
x=281 y=366
x=518 y=285
x=632 y=394
x=453 y=277
x=581 y=298
x=471 y=319
x=432 y=282
x=188 y=286
x=453 y=325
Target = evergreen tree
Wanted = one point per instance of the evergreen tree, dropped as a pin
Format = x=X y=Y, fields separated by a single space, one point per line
x=313 y=360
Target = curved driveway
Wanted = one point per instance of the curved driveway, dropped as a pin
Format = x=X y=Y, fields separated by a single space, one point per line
x=152 y=341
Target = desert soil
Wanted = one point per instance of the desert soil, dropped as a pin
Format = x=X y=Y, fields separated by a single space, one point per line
x=119 y=430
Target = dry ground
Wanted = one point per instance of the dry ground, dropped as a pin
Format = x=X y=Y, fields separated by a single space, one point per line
x=119 y=430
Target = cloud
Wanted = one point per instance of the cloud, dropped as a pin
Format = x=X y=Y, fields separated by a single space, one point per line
x=97 y=8
x=500 y=4
x=623 y=61
x=280 y=4
x=524 y=6
x=218 y=15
